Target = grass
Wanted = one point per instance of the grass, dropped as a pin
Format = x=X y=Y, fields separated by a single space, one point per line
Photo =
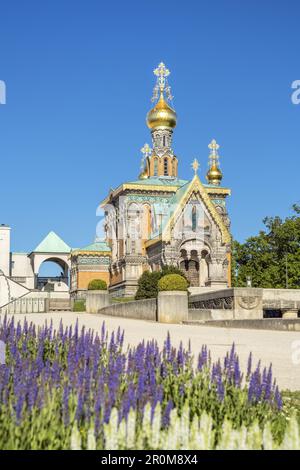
x=79 y=306
x=117 y=300
x=291 y=403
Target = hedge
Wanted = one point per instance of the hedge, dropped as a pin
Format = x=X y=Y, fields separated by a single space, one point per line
x=97 y=284
x=172 y=282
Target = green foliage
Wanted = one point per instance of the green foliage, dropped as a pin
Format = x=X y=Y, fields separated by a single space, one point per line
x=97 y=284
x=79 y=306
x=172 y=282
x=185 y=432
x=147 y=285
x=119 y=300
x=271 y=258
x=291 y=404
x=172 y=270
x=148 y=282
x=199 y=418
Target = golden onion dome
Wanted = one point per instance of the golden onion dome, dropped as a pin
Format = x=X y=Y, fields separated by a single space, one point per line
x=162 y=115
x=144 y=174
x=214 y=175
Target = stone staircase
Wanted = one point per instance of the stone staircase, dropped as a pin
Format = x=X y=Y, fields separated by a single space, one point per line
x=59 y=305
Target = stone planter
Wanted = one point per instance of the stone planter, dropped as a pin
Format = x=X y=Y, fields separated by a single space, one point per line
x=96 y=300
x=172 y=306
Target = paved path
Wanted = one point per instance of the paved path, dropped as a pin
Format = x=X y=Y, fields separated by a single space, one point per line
x=279 y=347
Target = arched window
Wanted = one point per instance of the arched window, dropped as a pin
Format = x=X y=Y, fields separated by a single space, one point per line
x=194 y=218
x=155 y=167
x=164 y=140
x=166 y=167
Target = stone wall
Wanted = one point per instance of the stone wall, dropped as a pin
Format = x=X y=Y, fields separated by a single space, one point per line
x=236 y=303
x=279 y=324
x=138 y=309
x=241 y=303
x=96 y=300
x=26 y=305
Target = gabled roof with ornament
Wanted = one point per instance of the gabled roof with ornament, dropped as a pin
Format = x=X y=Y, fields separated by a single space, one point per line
x=179 y=200
x=164 y=183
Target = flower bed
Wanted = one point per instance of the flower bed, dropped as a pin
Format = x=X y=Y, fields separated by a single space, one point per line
x=59 y=383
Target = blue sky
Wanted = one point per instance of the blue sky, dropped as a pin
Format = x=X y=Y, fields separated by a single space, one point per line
x=79 y=81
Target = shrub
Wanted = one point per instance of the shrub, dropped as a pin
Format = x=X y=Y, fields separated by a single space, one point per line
x=97 y=284
x=148 y=282
x=173 y=270
x=79 y=306
x=172 y=282
x=147 y=285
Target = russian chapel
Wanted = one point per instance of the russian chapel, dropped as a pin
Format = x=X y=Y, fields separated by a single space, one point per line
x=160 y=219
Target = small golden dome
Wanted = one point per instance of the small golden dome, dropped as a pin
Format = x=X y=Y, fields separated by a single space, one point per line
x=143 y=174
x=162 y=115
x=214 y=175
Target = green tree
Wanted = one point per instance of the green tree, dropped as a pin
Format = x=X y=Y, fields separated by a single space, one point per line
x=271 y=258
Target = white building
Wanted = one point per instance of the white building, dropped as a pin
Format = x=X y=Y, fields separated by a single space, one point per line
x=19 y=272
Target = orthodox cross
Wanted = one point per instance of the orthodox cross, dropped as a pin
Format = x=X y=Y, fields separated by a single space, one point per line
x=213 y=146
x=195 y=165
x=161 y=86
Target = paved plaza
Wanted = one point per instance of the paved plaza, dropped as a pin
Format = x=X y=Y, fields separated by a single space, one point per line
x=279 y=347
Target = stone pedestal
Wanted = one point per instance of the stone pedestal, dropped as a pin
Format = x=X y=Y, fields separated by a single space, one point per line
x=172 y=307
x=289 y=313
x=248 y=303
x=96 y=300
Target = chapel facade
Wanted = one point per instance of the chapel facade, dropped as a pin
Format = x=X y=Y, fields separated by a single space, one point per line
x=161 y=219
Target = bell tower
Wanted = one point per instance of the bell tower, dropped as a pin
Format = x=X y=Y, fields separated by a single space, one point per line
x=161 y=120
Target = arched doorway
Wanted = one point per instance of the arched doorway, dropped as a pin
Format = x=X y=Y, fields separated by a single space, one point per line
x=190 y=267
x=53 y=275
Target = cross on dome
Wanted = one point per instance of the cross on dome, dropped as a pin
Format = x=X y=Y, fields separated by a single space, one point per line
x=213 y=146
x=146 y=150
x=161 y=72
x=214 y=174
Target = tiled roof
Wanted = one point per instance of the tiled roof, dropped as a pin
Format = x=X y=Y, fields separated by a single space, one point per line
x=159 y=181
x=52 y=243
x=96 y=246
